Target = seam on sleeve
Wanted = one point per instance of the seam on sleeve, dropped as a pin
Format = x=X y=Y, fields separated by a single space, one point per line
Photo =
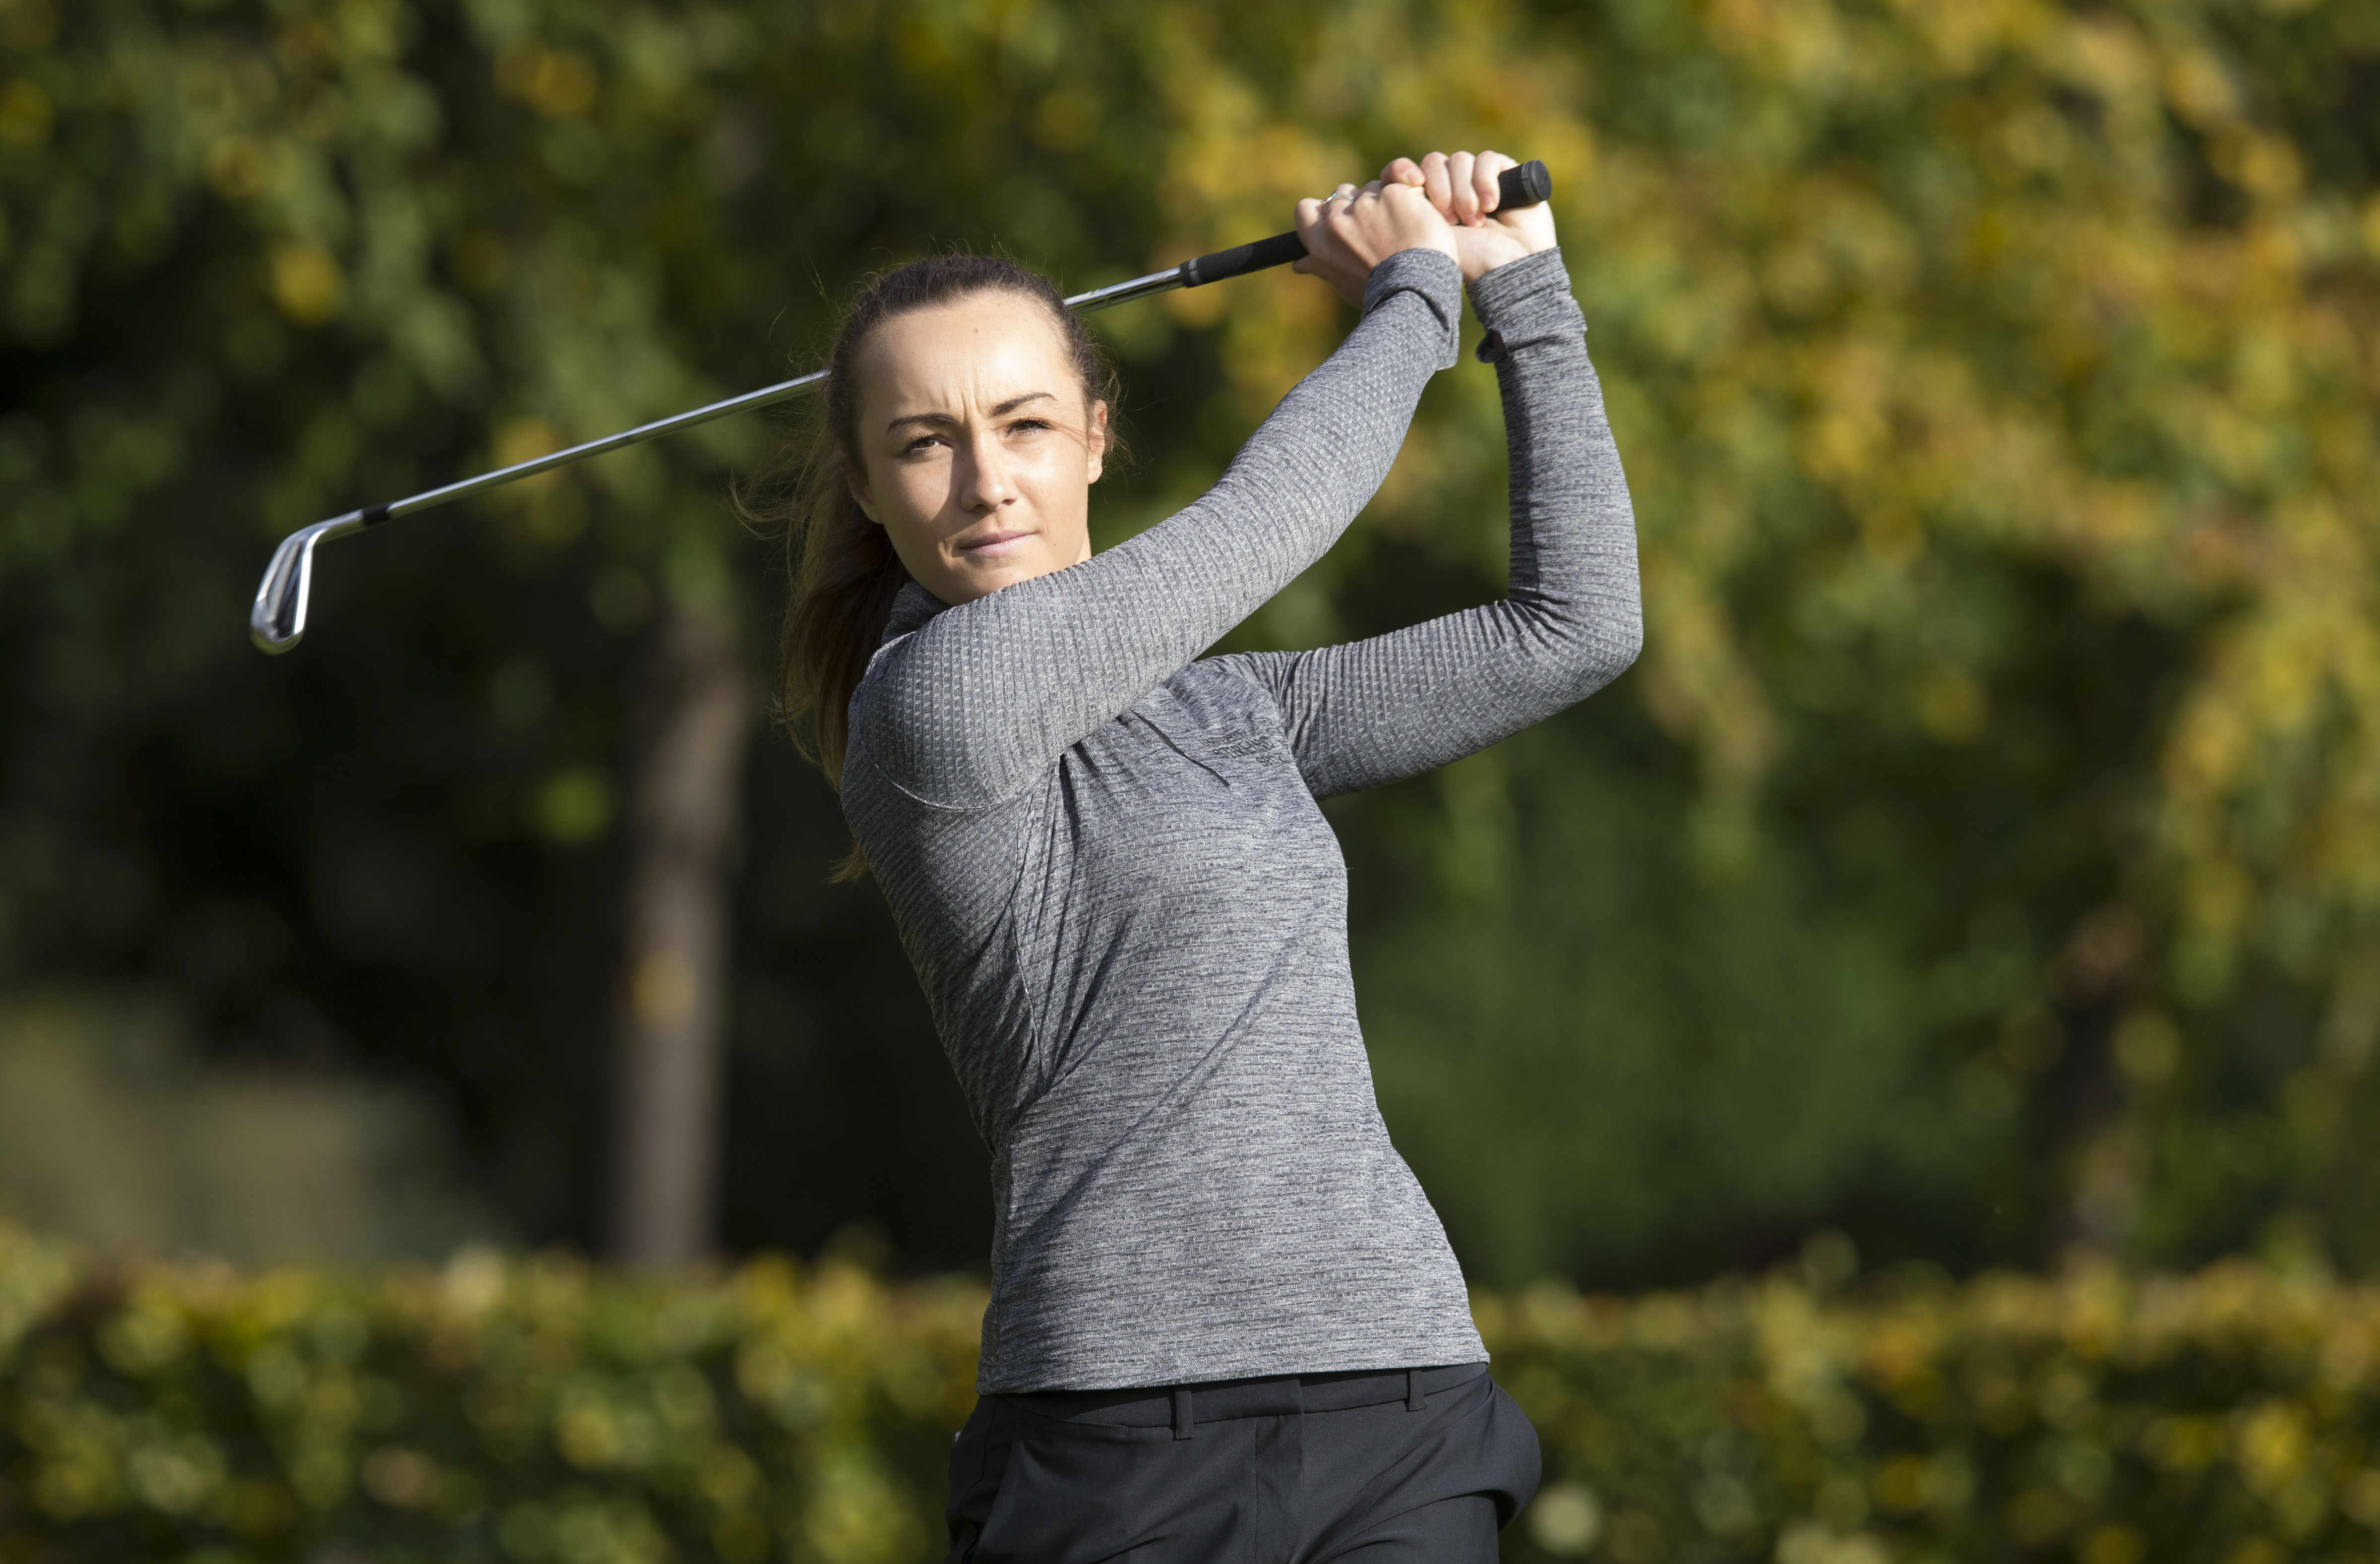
x=914 y=797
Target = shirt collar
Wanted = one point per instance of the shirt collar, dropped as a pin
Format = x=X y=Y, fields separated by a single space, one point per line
x=911 y=606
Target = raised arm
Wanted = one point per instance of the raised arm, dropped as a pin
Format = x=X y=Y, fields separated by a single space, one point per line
x=981 y=700
x=1373 y=710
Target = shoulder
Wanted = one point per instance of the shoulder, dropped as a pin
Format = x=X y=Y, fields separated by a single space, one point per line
x=883 y=667
x=1231 y=694
x=902 y=746
x=1229 y=676
x=903 y=697
x=1245 y=675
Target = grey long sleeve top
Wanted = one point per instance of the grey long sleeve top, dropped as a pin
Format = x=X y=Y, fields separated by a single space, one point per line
x=1129 y=915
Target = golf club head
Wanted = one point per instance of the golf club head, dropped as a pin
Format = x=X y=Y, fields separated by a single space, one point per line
x=277 y=620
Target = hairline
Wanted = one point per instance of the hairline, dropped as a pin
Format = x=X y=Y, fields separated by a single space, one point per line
x=1062 y=321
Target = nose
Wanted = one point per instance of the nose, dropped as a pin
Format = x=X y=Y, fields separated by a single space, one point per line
x=984 y=484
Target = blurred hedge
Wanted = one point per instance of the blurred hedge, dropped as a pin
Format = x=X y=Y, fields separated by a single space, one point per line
x=540 y=1410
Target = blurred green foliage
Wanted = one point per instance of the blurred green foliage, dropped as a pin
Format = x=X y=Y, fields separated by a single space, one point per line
x=534 y=1410
x=113 y=1132
x=1983 y=858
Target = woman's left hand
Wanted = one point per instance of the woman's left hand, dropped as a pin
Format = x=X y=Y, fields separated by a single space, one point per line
x=1463 y=187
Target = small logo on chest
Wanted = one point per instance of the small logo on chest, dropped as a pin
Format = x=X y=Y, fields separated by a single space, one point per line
x=1239 y=741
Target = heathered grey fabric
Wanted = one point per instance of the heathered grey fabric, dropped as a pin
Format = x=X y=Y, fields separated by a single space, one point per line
x=1127 y=912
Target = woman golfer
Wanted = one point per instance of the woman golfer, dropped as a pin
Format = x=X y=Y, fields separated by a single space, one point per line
x=1225 y=1322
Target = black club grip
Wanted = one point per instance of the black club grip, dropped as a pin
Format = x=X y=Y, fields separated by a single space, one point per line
x=1528 y=185
x=1524 y=186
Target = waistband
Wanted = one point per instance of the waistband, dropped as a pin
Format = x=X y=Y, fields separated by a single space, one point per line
x=1272 y=1395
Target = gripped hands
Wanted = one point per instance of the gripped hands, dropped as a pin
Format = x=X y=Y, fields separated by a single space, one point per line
x=1349 y=231
x=1344 y=237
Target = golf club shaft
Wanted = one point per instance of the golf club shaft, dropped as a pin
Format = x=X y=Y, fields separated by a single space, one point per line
x=277 y=620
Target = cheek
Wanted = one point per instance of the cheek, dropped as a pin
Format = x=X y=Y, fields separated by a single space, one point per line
x=916 y=490
x=1060 y=479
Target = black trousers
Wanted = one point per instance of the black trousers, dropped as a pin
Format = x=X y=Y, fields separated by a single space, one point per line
x=1380 y=1468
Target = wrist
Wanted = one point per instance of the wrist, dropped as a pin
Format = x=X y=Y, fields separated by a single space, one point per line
x=1420 y=266
x=1442 y=242
x=1516 y=278
x=1430 y=275
x=1523 y=304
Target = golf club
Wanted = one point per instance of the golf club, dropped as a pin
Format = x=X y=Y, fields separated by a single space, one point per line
x=277 y=621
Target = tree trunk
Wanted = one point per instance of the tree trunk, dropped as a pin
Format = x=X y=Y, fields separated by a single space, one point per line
x=691 y=718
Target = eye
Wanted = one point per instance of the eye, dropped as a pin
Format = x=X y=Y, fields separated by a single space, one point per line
x=919 y=443
x=1031 y=424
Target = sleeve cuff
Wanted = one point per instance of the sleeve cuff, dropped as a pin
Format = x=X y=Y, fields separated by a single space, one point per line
x=1525 y=301
x=1433 y=274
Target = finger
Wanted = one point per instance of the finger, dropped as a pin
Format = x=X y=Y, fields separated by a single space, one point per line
x=1314 y=222
x=1485 y=177
x=1342 y=221
x=1407 y=202
x=1401 y=171
x=1335 y=202
x=1463 y=200
x=1435 y=184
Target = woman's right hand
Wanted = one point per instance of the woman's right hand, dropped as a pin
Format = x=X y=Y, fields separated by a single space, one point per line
x=1463 y=188
x=1351 y=231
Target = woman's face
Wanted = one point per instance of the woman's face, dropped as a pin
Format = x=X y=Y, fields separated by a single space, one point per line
x=976 y=451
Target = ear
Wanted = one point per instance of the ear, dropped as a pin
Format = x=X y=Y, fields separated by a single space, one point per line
x=1095 y=440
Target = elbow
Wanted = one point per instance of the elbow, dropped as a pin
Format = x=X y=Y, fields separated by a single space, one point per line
x=1602 y=656
x=964 y=777
x=937 y=766
x=1582 y=648
x=1627 y=644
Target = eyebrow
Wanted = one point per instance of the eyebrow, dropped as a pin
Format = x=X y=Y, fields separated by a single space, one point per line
x=1008 y=406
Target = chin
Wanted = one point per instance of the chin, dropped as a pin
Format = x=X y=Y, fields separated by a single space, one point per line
x=983 y=577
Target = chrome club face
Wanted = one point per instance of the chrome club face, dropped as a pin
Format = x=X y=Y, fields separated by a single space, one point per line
x=277 y=620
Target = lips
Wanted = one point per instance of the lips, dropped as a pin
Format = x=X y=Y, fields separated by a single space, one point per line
x=995 y=543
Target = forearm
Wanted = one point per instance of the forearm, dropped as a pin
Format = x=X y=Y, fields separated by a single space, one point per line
x=1393 y=705
x=988 y=693
x=1573 y=545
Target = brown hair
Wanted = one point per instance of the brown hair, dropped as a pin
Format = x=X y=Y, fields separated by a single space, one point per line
x=843 y=572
